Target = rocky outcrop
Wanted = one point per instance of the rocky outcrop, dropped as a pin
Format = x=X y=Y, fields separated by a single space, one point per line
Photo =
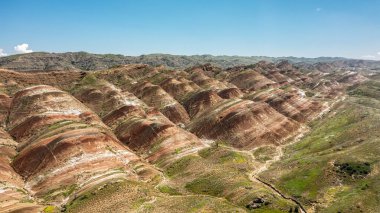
x=64 y=148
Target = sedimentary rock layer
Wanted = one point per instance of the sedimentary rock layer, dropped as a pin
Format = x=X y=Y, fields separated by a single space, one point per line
x=144 y=130
x=12 y=81
x=244 y=124
x=292 y=103
x=155 y=96
x=13 y=196
x=5 y=103
x=64 y=148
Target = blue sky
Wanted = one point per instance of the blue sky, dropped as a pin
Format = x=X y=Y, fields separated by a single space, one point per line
x=309 y=28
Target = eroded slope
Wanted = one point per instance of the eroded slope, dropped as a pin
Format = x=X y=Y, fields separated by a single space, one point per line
x=65 y=149
x=145 y=130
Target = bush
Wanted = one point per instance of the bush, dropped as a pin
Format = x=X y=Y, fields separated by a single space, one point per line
x=354 y=169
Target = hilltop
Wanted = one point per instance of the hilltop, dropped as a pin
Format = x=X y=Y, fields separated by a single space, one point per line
x=42 y=61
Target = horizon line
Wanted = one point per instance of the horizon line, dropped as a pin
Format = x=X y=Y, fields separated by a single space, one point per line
x=189 y=55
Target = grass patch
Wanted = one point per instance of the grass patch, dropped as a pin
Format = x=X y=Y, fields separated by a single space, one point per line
x=178 y=166
x=209 y=184
x=168 y=190
x=233 y=157
x=59 y=124
x=60 y=192
x=87 y=197
x=50 y=209
x=89 y=79
x=264 y=153
x=206 y=152
x=304 y=181
x=369 y=89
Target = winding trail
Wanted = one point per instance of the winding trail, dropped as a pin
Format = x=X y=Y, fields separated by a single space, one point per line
x=279 y=154
x=253 y=176
x=303 y=210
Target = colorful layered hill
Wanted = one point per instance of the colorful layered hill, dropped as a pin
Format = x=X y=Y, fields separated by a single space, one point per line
x=64 y=149
x=139 y=138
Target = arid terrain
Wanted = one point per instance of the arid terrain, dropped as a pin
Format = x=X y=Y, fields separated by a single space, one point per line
x=269 y=136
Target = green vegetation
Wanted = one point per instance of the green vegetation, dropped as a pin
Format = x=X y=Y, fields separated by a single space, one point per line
x=59 y=124
x=233 y=157
x=89 y=79
x=209 y=184
x=223 y=157
x=3 y=90
x=158 y=78
x=62 y=192
x=369 y=89
x=179 y=166
x=303 y=181
x=309 y=93
x=27 y=200
x=354 y=169
x=190 y=203
x=59 y=127
x=93 y=195
x=134 y=196
x=69 y=190
x=50 y=209
x=168 y=190
x=334 y=163
x=204 y=153
x=264 y=153
x=286 y=87
x=221 y=172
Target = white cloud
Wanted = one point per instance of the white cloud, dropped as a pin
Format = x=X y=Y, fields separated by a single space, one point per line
x=22 y=48
x=378 y=53
x=369 y=56
x=2 y=53
x=318 y=9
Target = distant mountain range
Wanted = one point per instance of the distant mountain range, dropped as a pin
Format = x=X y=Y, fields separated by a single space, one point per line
x=42 y=61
